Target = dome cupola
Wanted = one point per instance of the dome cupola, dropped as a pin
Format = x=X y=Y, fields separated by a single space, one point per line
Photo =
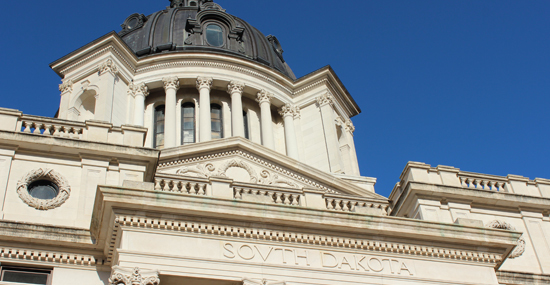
x=201 y=26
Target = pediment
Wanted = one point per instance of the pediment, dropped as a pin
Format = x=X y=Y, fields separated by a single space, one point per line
x=244 y=161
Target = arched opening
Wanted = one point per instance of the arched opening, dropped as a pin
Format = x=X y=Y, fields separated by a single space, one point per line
x=187 y=123
x=86 y=105
x=217 y=121
x=158 y=141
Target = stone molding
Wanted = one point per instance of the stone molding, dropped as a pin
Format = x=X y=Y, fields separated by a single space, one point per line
x=108 y=66
x=171 y=82
x=204 y=82
x=138 y=89
x=47 y=174
x=287 y=110
x=264 y=96
x=502 y=225
x=325 y=99
x=137 y=276
x=252 y=158
x=307 y=239
x=235 y=87
x=66 y=86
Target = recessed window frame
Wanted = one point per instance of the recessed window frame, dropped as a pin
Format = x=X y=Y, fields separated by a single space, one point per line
x=156 y=120
x=25 y=270
x=183 y=117
x=213 y=108
x=245 y=123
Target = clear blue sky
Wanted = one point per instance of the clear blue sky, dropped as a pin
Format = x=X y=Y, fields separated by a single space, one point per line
x=461 y=83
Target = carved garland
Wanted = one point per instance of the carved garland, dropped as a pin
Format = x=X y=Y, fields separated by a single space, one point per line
x=520 y=248
x=46 y=174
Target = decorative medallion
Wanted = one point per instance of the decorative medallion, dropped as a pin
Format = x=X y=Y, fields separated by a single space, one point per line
x=64 y=190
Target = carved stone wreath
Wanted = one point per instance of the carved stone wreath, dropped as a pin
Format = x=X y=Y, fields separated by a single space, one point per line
x=46 y=174
x=520 y=248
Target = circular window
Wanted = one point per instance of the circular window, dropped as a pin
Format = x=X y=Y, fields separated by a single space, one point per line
x=43 y=189
x=132 y=23
x=214 y=35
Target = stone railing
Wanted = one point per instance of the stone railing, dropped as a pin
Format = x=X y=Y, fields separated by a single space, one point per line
x=96 y=131
x=353 y=204
x=450 y=176
x=52 y=127
x=276 y=195
x=482 y=182
x=168 y=183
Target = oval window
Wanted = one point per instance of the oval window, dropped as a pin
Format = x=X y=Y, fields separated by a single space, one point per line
x=43 y=189
x=214 y=35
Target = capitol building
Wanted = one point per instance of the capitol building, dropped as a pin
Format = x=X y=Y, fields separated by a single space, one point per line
x=186 y=152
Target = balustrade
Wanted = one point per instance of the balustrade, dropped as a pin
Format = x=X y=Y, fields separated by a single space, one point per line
x=277 y=197
x=336 y=203
x=483 y=183
x=185 y=186
x=52 y=127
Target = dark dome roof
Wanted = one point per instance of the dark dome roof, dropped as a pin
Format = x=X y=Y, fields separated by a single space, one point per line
x=182 y=27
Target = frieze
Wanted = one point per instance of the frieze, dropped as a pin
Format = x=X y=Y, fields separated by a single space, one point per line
x=314 y=258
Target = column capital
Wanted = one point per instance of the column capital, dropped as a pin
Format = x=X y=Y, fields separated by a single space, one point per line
x=138 y=89
x=235 y=87
x=108 y=66
x=287 y=110
x=264 y=96
x=171 y=82
x=325 y=99
x=121 y=275
x=204 y=82
x=66 y=86
x=297 y=114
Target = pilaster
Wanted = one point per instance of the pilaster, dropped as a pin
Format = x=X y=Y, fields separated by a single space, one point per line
x=108 y=71
x=66 y=89
x=139 y=91
x=331 y=139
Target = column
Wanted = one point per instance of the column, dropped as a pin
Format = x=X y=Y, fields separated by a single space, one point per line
x=171 y=86
x=204 y=84
x=264 y=99
x=329 y=127
x=235 y=89
x=139 y=91
x=66 y=89
x=121 y=275
x=104 y=102
x=287 y=112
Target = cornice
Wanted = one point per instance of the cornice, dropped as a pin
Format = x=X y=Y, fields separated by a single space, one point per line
x=291 y=224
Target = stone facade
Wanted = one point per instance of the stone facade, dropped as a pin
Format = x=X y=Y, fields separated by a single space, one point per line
x=212 y=169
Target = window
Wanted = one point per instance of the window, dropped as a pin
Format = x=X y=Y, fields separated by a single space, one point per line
x=43 y=189
x=217 y=121
x=26 y=275
x=214 y=35
x=245 y=120
x=193 y=4
x=187 y=123
x=159 y=127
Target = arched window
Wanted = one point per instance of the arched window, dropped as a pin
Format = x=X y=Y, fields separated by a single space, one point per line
x=217 y=121
x=214 y=35
x=187 y=123
x=245 y=120
x=159 y=127
x=193 y=4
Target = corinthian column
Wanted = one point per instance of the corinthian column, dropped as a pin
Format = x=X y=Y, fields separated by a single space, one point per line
x=121 y=275
x=287 y=112
x=171 y=86
x=139 y=91
x=204 y=84
x=264 y=99
x=235 y=88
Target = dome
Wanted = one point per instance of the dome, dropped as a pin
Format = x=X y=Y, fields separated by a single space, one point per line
x=201 y=26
